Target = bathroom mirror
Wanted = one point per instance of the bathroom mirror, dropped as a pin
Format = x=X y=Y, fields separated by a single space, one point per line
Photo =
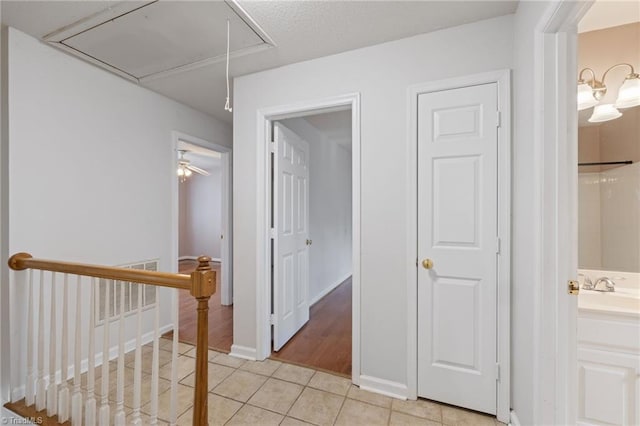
x=609 y=194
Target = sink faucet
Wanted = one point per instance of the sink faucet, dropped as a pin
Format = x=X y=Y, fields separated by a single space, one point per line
x=609 y=284
x=587 y=284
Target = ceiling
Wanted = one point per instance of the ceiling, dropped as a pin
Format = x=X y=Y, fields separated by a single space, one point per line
x=201 y=157
x=174 y=47
x=610 y=13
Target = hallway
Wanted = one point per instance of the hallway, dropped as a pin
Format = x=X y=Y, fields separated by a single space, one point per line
x=220 y=316
x=324 y=342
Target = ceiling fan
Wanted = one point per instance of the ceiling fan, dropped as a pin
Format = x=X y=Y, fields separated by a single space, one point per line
x=185 y=168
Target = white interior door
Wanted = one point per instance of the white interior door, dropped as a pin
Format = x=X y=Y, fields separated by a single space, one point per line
x=457 y=233
x=291 y=235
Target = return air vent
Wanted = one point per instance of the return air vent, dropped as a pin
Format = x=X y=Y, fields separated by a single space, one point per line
x=130 y=294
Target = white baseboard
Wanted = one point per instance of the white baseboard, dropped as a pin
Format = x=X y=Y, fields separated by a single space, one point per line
x=19 y=392
x=213 y=259
x=328 y=290
x=384 y=387
x=243 y=352
x=513 y=419
x=9 y=417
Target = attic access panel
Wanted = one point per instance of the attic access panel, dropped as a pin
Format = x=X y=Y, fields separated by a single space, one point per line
x=142 y=41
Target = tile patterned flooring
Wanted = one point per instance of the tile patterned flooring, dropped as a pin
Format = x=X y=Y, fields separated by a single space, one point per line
x=274 y=393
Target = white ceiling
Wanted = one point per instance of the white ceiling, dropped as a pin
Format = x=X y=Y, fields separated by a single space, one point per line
x=610 y=13
x=200 y=157
x=300 y=30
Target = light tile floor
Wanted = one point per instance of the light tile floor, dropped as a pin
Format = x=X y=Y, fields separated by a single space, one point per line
x=274 y=393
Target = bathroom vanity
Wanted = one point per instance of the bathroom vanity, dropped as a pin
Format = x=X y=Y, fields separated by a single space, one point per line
x=609 y=351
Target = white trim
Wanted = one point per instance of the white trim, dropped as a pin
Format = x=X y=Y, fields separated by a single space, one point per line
x=18 y=392
x=503 y=80
x=513 y=419
x=384 y=387
x=555 y=203
x=226 y=244
x=213 y=259
x=58 y=37
x=263 y=261
x=9 y=416
x=243 y=352
x=329 y=289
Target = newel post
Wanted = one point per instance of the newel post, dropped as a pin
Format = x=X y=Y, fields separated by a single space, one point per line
x=203 y=285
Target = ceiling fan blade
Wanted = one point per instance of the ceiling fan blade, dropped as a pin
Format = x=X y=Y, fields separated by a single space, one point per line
x=197 y=170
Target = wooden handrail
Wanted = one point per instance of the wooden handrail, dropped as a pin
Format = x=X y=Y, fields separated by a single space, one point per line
x=201 y=284
x=21 y=261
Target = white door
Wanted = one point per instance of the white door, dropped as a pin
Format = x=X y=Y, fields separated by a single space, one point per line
x=457 y=233
x=291 y=236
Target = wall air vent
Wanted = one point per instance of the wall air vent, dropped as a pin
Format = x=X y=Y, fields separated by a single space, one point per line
x=143 y=41
x=130 y=294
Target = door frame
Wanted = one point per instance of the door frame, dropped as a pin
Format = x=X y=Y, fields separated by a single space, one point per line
x=555 y=201
x=226 y=246
x=263 y=283
x=503 y=80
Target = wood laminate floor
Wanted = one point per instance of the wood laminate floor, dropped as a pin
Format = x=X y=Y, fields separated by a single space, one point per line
x=324 y=342
x=220 y=316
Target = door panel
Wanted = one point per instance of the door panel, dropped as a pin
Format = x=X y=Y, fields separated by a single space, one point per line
x=457 y=230
x=291 y=253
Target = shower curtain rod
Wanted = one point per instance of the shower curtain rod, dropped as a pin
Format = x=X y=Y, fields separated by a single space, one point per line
x=606 y=163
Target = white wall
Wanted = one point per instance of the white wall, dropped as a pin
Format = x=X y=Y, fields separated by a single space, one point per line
x=91 y=164
x=5 y=366
x=589 y=239
x=381 y=74
x=201 y=214
x=329 y=209
x=525 y=235
x=620 y=214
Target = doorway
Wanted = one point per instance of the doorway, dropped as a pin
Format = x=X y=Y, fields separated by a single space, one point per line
x=267 y=118
x=459 y=288
x=202 y=228
x=312 y=212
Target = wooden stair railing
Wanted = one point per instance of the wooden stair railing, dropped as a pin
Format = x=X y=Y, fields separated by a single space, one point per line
x=201 y=284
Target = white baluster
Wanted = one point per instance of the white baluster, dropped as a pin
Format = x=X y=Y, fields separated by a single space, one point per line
x=63 y=394
x=155 y=363
x=103 y=415
x=173 y=418
x=120 y=416
x=29 y=389
x=52 y=390
x=41 y=389
x=76 y=396
x=137 y=372
x=90 y=403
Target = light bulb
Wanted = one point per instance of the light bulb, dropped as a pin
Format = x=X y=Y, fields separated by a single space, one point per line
x=187 y=172
x=180 y=171
x=629 y=93
x=604 y=112
x=586 y=98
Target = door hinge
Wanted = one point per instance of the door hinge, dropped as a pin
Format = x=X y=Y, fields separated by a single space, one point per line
x=497 y=372
x=498 y=245
x=498 y=119
x=272 y=232
x=272 y=319
x=272 y=147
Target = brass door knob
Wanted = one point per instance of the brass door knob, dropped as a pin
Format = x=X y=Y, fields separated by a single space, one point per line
x=427 y=264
